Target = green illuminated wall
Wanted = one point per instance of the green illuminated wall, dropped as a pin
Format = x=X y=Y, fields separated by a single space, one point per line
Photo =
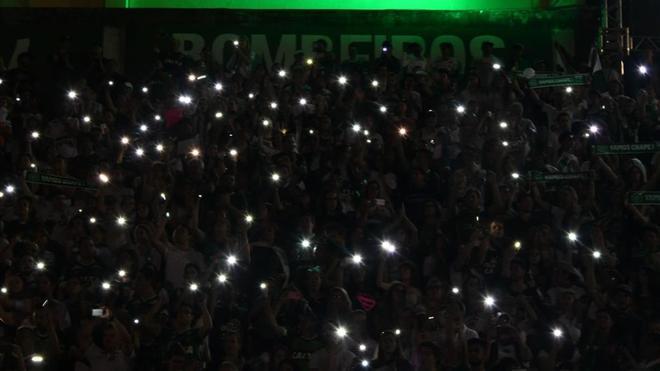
x=348 y=4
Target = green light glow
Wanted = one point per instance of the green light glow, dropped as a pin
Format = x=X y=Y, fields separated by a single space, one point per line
x=348 y=4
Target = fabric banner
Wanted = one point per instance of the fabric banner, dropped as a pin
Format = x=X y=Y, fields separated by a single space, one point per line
x=57 y=181
x=537 y=176
x=547 y=81
x=644 y=198
x=625 y=149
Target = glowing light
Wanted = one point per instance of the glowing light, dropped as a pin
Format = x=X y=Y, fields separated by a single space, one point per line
x=309 y=61
x=121 y=273
x=364 y=363
x=497 y=66
x=121 y=220
x=455 y=290
x=505 y=143
x=305 y=243
x=233 y=152
x=33 y=165
x=397 y=332
x=302 y=101
x=92 y=220
x=263 y=286
x=136 y=321
x=356 y=128
x=366 y=132
x=382 y=109
x=3 y=290
x=388 y=246
x=460 y=109
x=193 y=287
x=265 y=122
x=311 y=131
x=111 y=83
x=124 y=140
x=219 y=115
x=192 y=77
x=515 y=175
x=249 y=218
x=643 y=70
x=40 y=265
x=145 y=89
x=374 y=83
x=281 y=73
x=105 y=285
x=596 y=254
x=342 y=80
x=341 y=332
x=144 y=128
x=251 y=96
x=557 y=333
x=217 y=86
x=403 y=132
x=157 y=118
x=362 y=348
x=87 y=119
x=572 y=236
x=594 y=129
x=235 y=43
x=568 y=90
x=36 y=358
x=275 y=177
x=517 y=245
x=160 y=147
x=357 y=259
x=195 y=152
x=72 y=94
x=273 y=105
x=139 y=152
x=185 y=99
x=232 y=260
x=35 y=135
x=504 y=125
x=104 y=178
x=489 y=301
x=222 y=278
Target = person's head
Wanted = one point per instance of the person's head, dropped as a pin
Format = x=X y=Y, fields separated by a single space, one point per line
x=181 y=236
x=603 y=321
x=388 y=345
x=184 y=316
x=487 y=48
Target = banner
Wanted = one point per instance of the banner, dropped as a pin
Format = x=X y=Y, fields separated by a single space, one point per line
x=644 y=198
x=625 y=149
x=537 y=176
x=547 y=81
x=57 y=181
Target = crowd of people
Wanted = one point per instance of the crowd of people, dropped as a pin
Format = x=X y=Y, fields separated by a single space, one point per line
x=326 y=215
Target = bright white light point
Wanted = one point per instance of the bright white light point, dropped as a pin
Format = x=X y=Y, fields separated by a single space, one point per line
x=503 y=125
x=356 y=127
x=263 y=286
x=33 y=165
x=124 y=140
x=403 y=131
x=357 y=259
x=383 y=109
x=121 y=273
x=222 y=278
x=185 y=99
x=92 y=220
x=569 y=89
x=192 y=77
x=593 y=129
x=309 y=61
x=193 y=287
x=489 y=301
x=302 y=101
x=121 y=220
x=139 y=152
x=160 y=147
x=311 y=131
x=643 y=70
x=374 y=83
x=496 y=66
x=388 y=246
x=515 y=175
x=145 y=89
x=305 y=243
x=105 y=285
x=455 y=290
x=596 y=254
x=194 y=152
x=41 y=265
x=517 y=245
x=104 y=178
x=231 y=260
x=251 y=95
x=275 y=177
x=369 y=141
x=273 y=105
x=557 y=333
x=281 y=73
x=87 y=119
x=136 y=321
x=35 y=134
x=217 y=86
x=572 y=236
x=366 y=132
x=341 y=332
x=265 y=122
x=397 y=332
x=37 y=358
x=219 y=115
x=3 y=290
x=72 y=94
x=235 y=43
x=249 y=218
x=460 y=109
x=505 y=143
x=144 y=128
x=233 y=152
x=342 y=80
x=362 y=347
x=364 y=363
x=157 y=117
x=111 y=83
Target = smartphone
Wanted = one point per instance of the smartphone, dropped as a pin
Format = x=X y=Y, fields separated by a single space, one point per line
x=380 y=202
x=98 y=312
